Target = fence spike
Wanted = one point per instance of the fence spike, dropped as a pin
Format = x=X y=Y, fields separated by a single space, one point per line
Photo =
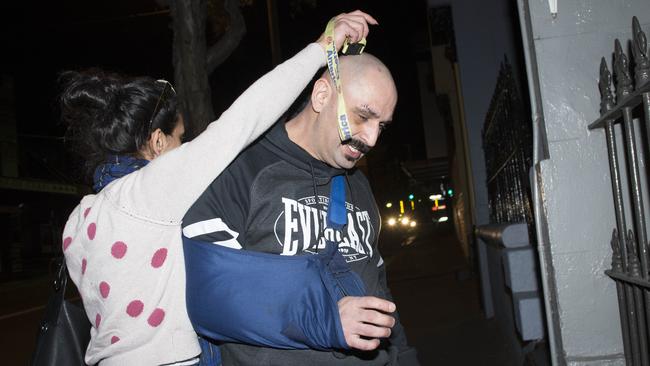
x=604 y=84
x=640 y=52
x=621 y=72
x=633 y=258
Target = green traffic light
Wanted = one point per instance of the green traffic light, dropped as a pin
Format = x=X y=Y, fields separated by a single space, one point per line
x=411 y=196
x=450 y=192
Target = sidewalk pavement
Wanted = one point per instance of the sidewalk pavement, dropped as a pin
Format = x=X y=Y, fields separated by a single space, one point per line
x=438 y=302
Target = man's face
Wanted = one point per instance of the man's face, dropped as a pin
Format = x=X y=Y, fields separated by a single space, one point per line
x=370 y=102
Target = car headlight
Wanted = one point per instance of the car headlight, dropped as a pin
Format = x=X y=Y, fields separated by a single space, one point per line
x=412 y=224
x=405 y=221
x=391 y=221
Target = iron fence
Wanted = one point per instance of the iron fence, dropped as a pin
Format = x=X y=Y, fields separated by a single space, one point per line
x=510 y=235
x=627 y=112
x=508 y=147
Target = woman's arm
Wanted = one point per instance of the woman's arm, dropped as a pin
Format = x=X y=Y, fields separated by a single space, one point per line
x=165 y=189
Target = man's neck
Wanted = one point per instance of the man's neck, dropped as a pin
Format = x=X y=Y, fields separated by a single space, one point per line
x=300 y=133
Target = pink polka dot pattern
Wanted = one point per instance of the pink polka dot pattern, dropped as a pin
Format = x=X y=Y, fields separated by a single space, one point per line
x=118 y=250
x=92 y=229
x=98 y=320
x=115 y=339
x=156 y=317
x=86 y=212
x=135 y=308
x=66 y=242
x=159 y=257
x=104 y=289
x=84 y=263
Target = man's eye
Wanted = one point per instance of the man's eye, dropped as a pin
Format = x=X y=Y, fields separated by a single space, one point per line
x=363 y=118
x=383 y=126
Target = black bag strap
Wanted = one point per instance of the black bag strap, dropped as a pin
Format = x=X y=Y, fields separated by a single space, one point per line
x=61 y=280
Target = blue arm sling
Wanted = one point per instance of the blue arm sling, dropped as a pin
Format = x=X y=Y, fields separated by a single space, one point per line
x=287 y=302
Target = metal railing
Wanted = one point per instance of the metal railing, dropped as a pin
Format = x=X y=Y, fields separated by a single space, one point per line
x=508 y=146
x=629 y=238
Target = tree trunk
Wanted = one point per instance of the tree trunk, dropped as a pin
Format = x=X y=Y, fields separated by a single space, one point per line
x=189 y=57
x=193 y=62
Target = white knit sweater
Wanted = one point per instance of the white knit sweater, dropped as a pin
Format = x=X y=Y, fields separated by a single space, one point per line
x=123 y=246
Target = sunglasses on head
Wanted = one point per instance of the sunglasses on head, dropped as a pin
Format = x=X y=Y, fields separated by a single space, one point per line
x=160 y=98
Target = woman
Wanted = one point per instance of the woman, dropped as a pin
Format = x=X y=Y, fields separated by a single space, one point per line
x=123 y=244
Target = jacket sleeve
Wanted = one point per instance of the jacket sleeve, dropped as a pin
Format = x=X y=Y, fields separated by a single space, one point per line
x=219 y=214
x=164 y=189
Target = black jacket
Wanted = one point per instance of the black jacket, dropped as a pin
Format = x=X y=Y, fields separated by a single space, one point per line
x=273 y=198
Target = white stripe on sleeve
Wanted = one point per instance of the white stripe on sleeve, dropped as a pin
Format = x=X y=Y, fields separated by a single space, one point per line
x=213 y=226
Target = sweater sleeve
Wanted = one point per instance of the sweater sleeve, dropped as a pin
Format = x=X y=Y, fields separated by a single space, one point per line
x=166 y=188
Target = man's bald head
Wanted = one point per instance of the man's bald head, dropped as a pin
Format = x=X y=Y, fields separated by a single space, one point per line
x=362 y=69
x=370 y=97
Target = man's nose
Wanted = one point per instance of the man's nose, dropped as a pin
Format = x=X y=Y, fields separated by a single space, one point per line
x=371 y=134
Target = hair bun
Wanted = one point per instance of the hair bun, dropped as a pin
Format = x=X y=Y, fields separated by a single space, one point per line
x=86 y=95
x=108 y=114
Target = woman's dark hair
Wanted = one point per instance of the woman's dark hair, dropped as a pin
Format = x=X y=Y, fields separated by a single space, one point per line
x=108 y=114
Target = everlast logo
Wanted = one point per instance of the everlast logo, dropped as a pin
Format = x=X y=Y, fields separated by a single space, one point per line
x=301 y=227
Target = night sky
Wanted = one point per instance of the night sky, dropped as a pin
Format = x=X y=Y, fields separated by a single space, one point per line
x=42 y=40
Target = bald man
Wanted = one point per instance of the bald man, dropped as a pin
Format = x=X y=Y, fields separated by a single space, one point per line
x=274 y=199
x=370 y=96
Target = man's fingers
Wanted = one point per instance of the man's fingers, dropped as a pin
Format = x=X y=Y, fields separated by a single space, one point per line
x=371 y=302
x=362 y=344
x=365 y=317
x=377 y=318
x=371 y=331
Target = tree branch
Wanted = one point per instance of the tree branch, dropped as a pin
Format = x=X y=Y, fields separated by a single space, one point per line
x=221 y=50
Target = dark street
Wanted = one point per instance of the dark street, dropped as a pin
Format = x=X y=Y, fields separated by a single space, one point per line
x=438 y=302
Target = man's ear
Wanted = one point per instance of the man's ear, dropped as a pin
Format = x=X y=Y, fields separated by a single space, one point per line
x=157 y=142
x=320 y=94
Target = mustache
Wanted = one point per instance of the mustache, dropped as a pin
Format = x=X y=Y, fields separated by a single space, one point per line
x=358 y=144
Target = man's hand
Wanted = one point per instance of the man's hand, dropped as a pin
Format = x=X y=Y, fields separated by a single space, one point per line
x=353 y=25
x=364 y=320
